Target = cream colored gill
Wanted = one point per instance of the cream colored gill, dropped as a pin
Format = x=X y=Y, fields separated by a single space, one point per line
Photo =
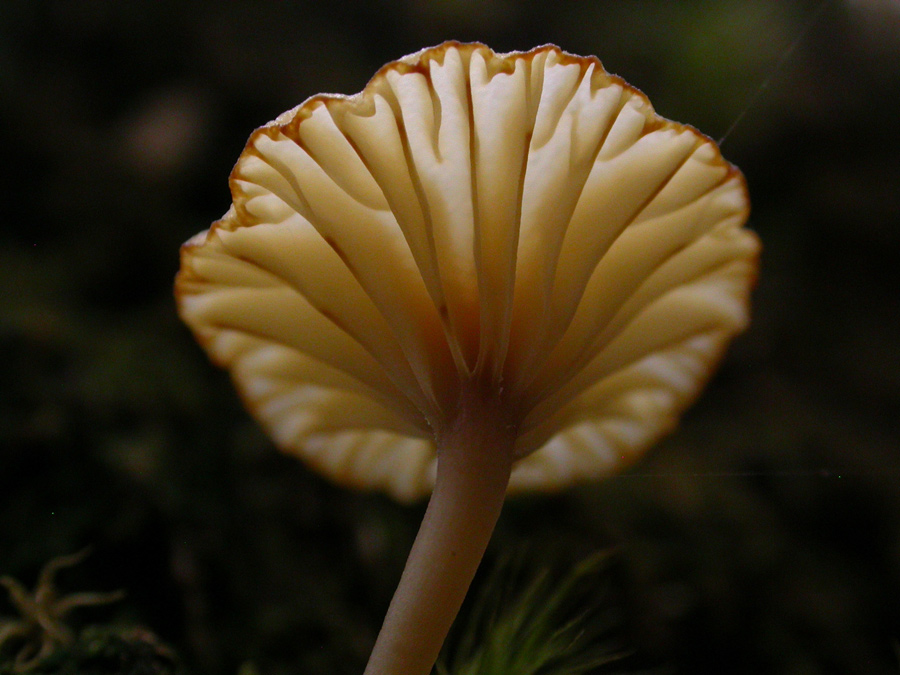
x=525 y=220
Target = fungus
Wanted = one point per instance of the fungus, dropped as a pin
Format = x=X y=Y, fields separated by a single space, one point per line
x=483 y=273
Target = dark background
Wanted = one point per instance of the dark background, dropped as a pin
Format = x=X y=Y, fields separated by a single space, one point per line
x=763 y=537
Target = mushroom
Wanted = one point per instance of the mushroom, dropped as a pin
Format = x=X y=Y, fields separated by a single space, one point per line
x=483 y=273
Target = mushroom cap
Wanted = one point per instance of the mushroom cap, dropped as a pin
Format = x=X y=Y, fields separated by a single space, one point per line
x=521 y=221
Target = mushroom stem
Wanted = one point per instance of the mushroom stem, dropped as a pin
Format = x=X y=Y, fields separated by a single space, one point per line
x=474 y=463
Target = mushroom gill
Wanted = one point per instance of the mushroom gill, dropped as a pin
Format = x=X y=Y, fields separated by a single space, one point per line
x=506 y=261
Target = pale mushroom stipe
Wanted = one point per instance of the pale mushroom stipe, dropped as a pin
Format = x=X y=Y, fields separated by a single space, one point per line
x=483 y=273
